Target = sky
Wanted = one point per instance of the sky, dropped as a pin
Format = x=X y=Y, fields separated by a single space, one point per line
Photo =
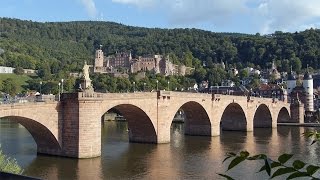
x=241 y=16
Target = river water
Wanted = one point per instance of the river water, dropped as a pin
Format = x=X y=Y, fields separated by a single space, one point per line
x=186 y=157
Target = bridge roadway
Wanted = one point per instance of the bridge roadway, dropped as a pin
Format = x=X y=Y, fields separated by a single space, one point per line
x=72 y=127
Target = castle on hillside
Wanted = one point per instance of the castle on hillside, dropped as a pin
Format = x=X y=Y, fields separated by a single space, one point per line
x=124 y=62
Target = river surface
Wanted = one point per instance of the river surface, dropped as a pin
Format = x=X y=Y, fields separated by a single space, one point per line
x=186 y=157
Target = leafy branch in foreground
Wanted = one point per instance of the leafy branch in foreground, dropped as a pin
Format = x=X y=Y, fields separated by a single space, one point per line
x=314 y=135
x=281 y=167
x=8 y=164
x=274 y=168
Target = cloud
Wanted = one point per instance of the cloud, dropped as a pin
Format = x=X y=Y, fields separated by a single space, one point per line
x=264 y=16
x=138 y=3
x=90 y=7
x=288 y=15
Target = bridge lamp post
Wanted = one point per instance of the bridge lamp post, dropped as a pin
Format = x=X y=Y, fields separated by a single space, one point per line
x=217 y=88
x=62 y=85
x=157 y=84
x=40 y=86
x=59 y=84
x=134 y=86
x=168 y=85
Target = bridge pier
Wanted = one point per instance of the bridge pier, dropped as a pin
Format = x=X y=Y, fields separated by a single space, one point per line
x=81 y=128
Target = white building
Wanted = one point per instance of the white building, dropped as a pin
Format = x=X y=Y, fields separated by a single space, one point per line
x=7 y=70
x=308 y=87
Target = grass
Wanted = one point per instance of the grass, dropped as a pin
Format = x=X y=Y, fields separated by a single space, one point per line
x=19 y=79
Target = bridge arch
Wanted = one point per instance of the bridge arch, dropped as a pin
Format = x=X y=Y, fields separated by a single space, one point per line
x=46 y=142
x=283 y=115
x=262 y=117
x=140 y=126
x=233 y=118
x=197 y=121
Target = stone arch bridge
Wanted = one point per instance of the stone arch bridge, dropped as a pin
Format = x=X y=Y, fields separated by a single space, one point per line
x=72 y=127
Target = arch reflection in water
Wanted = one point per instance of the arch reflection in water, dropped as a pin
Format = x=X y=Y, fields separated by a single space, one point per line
x=195 y=158
x=47 y=143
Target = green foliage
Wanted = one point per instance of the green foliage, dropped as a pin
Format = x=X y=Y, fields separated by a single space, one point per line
x=56 y=49
x=274 y=168
x=66 y=45
x=18 y=71
x=8 y=164
x=19 y=80
x=9 y=86
x=106 y=83
x=280 y=167
x=314 y=135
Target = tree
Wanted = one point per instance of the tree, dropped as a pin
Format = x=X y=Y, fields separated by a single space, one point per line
x=209 y=62
x=9 y=165
x=44 y=72
x=188 y=58
x=296 y=65
x=18 y=71
x=243 y=74
x=9 y=86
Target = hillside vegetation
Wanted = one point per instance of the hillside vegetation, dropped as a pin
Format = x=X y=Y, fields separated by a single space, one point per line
x=65 y=45
x=57 y=48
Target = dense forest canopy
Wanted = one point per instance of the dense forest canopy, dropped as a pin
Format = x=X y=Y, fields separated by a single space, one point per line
x=57 y=48
x=67 y=44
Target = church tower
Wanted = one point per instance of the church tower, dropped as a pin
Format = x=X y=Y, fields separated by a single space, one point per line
x=98 y=61
x=308 y=88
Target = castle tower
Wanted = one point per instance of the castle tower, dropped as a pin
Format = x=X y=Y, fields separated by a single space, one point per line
x=308 y=88
x=157 y=59
x=98 y=61
x=291 y=82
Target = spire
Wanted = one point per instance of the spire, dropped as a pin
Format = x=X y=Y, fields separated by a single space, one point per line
x=290 y=75
x=273 y=66
x=307 y=75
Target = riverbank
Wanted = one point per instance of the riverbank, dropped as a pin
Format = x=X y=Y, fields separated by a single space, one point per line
x=300 y=124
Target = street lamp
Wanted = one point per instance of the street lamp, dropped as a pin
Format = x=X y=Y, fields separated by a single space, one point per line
x=157 y=84
x=59 y=84
x=40 y=86
x=217 y=88
x=144 y=86
x=168 y=85
x=62 y=85
x=134 y=86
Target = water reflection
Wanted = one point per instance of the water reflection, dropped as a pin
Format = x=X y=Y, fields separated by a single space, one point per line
x=186 y=157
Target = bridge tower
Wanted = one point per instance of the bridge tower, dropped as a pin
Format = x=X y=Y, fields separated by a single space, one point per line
x=308 y=88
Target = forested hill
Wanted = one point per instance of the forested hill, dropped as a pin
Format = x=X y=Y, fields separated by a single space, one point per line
x=66 y=45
